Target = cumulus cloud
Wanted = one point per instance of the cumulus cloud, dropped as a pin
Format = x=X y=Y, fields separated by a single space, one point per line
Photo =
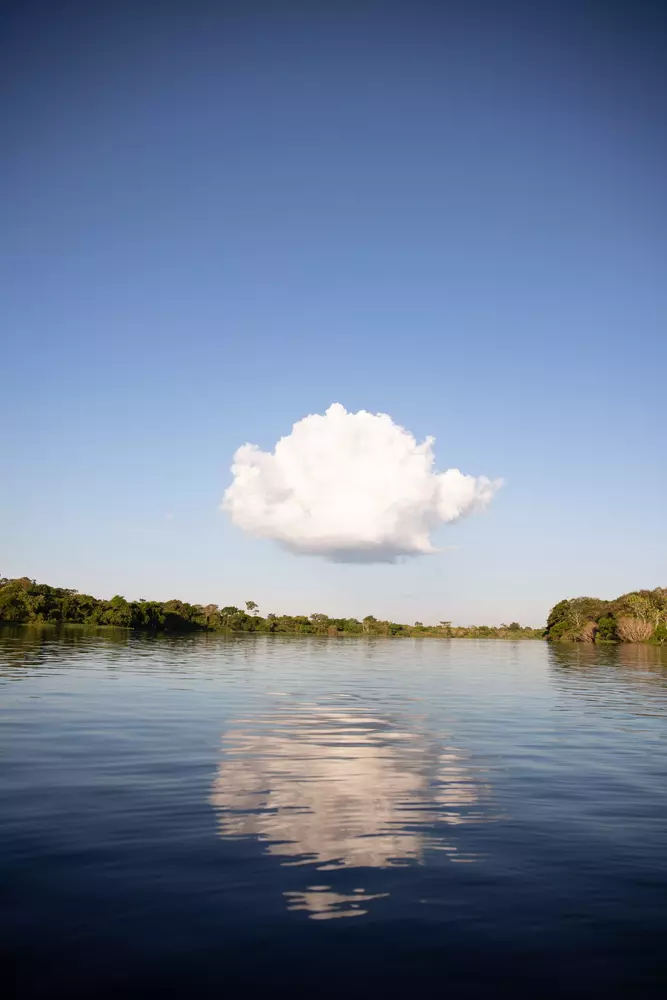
x=352 y=487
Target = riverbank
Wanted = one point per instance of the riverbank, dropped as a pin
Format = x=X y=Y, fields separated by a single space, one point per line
x=26 y=602
x=639 y=616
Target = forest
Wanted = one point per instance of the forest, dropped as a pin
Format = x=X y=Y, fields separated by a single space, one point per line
x=640 y=616
x=23 y=601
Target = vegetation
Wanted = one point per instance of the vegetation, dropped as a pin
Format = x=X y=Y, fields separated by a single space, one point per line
x=640 y=616
x=23 y=601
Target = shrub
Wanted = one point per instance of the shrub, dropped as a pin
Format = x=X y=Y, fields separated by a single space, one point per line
x=587 y=632
x=634 y=629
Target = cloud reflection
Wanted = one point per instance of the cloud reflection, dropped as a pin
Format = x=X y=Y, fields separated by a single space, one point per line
x=340 y=789
x=322 y=903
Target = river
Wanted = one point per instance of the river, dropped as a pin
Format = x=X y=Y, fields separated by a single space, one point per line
x=210 y=815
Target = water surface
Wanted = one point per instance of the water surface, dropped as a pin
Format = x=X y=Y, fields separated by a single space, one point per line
x=201 y=815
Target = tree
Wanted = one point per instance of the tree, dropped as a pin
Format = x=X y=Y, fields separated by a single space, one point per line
x=639 y=607
x=607 y=630
x=118 y=612
x=632 y=617
x=368 y=623
x=252 y=607
x=228 y=615
x=558 y=615
x=320 y=621
x=571 y=619
x=660 y=634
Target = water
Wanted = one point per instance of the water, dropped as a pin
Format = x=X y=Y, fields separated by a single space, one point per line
x=203 y=815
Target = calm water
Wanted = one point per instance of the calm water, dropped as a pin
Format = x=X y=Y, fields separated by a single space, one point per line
x=201 y=815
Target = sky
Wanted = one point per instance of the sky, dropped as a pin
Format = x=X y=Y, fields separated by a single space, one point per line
x=221 y=218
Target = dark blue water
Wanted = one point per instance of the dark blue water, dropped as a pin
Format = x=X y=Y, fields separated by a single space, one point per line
x=205 y=815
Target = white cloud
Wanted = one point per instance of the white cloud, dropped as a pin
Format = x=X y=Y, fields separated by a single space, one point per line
x=352 y=487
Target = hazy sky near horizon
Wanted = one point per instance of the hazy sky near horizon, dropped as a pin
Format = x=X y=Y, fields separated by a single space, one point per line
x=222 y=217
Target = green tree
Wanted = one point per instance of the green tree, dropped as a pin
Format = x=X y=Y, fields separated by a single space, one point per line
x=660 y=634
x=607 y=630
x=118 y=612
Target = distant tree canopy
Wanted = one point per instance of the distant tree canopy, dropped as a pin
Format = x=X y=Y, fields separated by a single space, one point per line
x=22 y=601
x=640 y=616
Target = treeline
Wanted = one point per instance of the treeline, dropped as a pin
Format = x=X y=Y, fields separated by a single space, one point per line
x=23 y=601
x=640 y=616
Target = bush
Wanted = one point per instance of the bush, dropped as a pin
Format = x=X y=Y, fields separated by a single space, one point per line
x=587 y=632
x=634 y=629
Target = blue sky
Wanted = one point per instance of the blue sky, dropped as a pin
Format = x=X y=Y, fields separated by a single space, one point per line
x=222 y=217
